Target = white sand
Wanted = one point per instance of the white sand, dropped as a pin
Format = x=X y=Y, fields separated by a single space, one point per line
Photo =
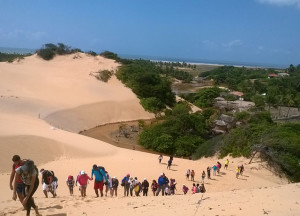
x=36 y=95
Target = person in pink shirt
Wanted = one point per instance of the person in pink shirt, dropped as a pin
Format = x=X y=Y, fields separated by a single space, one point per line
x=194 y=188
x=83 y=181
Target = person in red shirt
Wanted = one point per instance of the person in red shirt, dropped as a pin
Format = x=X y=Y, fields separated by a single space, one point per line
x=17 y=162
x=83 y=181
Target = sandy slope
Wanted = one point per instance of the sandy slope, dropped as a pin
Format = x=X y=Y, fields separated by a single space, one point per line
x=35 y=94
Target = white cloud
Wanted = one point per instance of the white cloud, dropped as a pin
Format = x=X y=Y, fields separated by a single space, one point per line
x=281 y=2
x=233 y=43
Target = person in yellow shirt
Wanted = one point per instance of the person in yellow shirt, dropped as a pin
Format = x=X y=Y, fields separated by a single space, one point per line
x=226 y=164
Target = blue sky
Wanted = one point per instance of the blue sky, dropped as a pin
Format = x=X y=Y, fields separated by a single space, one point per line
x=254 y=31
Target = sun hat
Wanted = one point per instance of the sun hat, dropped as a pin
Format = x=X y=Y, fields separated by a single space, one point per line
x=145 y=179
x=82 y=172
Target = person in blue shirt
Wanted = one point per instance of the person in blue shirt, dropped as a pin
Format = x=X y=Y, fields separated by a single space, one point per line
x=99 y=176
x=163 y=181
x=126 y=184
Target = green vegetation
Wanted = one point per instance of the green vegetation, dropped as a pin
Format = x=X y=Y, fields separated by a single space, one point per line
x=6 y=57
x=48 y=51
x=146 y=81
x=179 y=133
x=203 y=97
x=104 y=75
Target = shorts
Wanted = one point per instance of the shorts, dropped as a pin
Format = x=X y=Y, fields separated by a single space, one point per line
x=51 y=188
x=71 y=187
x=98 y=185
x=20 y=188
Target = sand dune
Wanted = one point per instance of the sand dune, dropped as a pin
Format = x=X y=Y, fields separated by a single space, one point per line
x=42 y=104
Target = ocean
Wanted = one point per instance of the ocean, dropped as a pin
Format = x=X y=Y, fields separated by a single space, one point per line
x=205 y=61
x=16 y=50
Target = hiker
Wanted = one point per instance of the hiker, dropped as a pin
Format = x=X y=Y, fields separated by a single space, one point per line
x=203 y=176
x=208 y=172
x=162 y=183
x=49 y=185
x=188 y=172
x=29 y=176
x=160 y=157
x=172 y=186
x=167 y=190
x=131 y=185
x=154 y=187
x=242 y=169
x=17 y=162
x=214 y=169
x=226 y=164
x=108 y=186
x=115 y=184
x=202 y=188
x=219 y=165
x=194 y=188
x=137 y=186
x=100 y=174
x=169 y=164
x=126 y=184
x=185 y=189
x=198 y=188
x=83 y=181
x=237 y=171
x=145 y=187
x=70 y=183
x=193 y=175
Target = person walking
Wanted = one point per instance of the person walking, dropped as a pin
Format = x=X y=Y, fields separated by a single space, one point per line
x=226 y=164
x=49 y=183
x=185 y=189
x=83 y=181
x=145 y=187
x=160 y=157
x=203 y=176
x=154 y=187
x=100 y=175
x=188 y=172
x=70 y=183
x=29 y=176
x=115 y=184
x=126 y=184
x=208 y=172
x=20 y=190
x=193 y=175
x=162 y=183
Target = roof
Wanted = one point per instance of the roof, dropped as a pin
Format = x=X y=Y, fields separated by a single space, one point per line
x=237 y=93
x=272 y=75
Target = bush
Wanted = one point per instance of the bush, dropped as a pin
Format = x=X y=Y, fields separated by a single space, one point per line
x=104 y=75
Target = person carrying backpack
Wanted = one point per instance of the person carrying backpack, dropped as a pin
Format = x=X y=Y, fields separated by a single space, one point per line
x=154 y=187
x=49 y=183
x=70 y=183
x=145 y=187
x=100 y=175
x=126 y=184
x=17 y=162
x=115 y=184
x=29 y=176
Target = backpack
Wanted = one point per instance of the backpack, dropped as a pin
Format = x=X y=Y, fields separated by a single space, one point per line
x=54 y=177
x=70 y=180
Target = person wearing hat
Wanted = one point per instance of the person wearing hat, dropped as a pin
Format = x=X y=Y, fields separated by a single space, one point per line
x=115 y=184
x=29 y=176
x=49 y=185
x=145 y=187
x=126 y=184
x=17 y=162
x=163 y=181
x=83 y=181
